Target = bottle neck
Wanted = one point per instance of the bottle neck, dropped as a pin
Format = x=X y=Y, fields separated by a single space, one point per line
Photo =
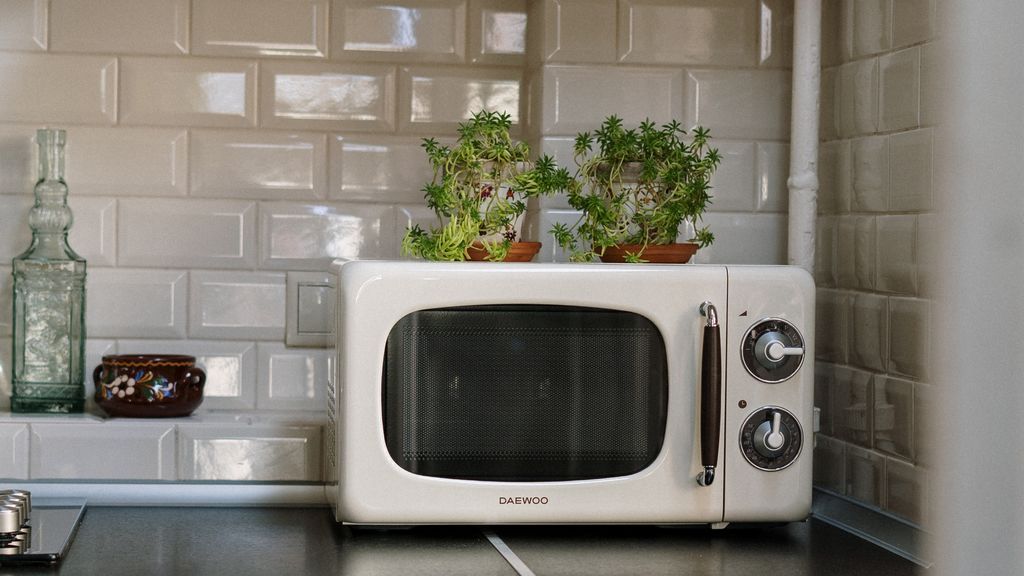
x=50 y=217
x=51 y=154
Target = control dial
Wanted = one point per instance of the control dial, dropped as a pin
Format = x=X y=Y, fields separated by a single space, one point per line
x=773 y=350
x=770 y=438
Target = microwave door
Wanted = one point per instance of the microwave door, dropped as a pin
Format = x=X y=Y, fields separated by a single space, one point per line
x=525 y=393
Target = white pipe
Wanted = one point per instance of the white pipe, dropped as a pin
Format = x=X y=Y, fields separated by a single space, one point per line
x=803 y=138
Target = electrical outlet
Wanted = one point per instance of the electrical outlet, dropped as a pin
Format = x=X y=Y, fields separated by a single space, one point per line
x=310 y=301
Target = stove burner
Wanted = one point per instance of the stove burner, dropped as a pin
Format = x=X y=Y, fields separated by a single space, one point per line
x=40 y=534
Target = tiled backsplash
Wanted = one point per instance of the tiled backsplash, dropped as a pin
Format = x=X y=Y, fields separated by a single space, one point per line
x=874 y=286
x=215 y=144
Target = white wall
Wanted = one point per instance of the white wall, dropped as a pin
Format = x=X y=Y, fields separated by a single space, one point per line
x=214 y=145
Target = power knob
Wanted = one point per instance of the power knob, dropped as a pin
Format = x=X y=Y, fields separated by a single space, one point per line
x=773 y=350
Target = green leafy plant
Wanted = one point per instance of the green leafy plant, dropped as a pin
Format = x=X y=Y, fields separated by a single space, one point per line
x=638 y=187
x=479 y=190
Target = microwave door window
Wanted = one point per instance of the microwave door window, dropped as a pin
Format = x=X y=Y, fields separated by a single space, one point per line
x=524 y=393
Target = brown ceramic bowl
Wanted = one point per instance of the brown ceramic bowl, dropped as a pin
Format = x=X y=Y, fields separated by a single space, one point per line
x=149 y=385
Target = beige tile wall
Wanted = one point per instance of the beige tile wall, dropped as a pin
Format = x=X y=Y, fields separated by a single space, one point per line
x=875 y=213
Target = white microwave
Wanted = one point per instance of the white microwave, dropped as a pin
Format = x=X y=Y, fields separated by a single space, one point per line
x=492 y=393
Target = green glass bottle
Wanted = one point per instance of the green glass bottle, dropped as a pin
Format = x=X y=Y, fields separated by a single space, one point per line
x=49 y=297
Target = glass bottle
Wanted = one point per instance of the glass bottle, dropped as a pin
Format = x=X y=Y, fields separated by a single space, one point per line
x=49 y=297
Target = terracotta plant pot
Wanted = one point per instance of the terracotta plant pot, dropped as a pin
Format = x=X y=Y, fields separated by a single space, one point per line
x=519 y=252
x=149 y=385
x=653 y=253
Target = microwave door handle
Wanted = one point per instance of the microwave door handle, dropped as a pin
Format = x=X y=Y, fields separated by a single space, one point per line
x=710 y=394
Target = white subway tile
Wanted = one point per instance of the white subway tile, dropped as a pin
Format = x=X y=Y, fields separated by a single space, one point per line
x=910 y=184
x=897 y=253
x=95 y=350
x=932 y=90
x=856 y=96
x=497 y=32
x=830 y=326
x=406 y=216
x=15 y=235
x=122 y=26
x=187 y=233
x=865 y=251
x=94 y=232
x=846 y=249
x=266 y=453
x=830 y=458
x=853 y=403
x=865 y=476
x=237 y=305
x=723 y=33
x=6 y=294
x=36 y=88
x=136 y=303
x=907 y=488
x=317 y=96
x=5 y=374
x=739 y=103
x=828 y=101
x=291 y=378
x=832 y=33
x=828 y=176
x=772 y=173
x=894 y=416
x=230 y=368
x=734 y=184
x=17 y=159
x=745 y=239
x=872 y=26
x=776 y=38
x=366 y=168
x=308 y=236
x=116 y=450
x=913 y=21
x=824 y=251
x=260 y=27
x=191 y=92
x=578 y=99
x=870 y=174
x=421 y=31
x=537 y=227
x=14 y=451
x=258 y=164
x=578 y=30
x=899 y=83
x=436 y=99
x=24 y=25
x=127 y=161
x=869 y=331
x=910 y=337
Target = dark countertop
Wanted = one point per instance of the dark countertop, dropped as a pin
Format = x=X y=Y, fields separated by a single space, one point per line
x=278 y=541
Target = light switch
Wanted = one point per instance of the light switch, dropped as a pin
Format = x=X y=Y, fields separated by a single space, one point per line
x=310 y=301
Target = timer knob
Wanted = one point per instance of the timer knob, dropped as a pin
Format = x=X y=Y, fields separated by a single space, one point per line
x=770 y=438
x=773 y=350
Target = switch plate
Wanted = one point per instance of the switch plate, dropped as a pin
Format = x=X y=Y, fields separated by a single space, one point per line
x=310 y=319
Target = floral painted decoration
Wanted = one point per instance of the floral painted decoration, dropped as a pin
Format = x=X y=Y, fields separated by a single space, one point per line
x=142 y=385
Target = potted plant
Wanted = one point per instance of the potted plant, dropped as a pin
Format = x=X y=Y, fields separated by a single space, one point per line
x=636 y=190
x=479 y=193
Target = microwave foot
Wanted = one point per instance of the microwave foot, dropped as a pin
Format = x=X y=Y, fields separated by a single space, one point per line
x=719 y=525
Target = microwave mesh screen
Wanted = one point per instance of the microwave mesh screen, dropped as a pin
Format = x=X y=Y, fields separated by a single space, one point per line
x=524 y=393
